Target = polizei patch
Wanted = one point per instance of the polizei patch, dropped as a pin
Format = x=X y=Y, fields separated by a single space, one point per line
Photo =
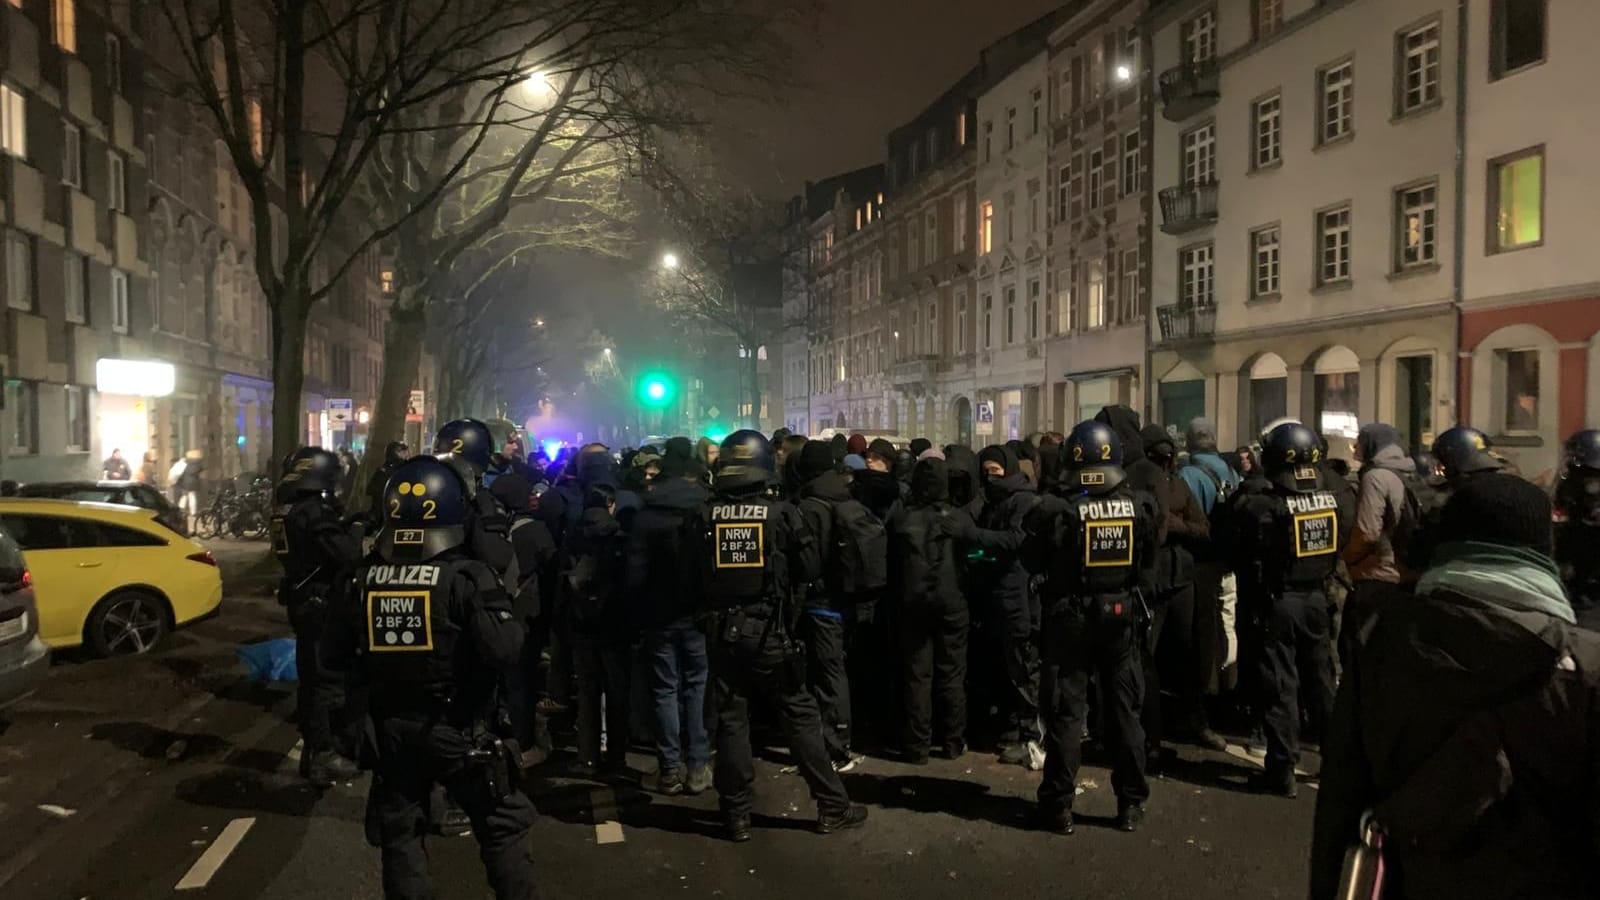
x=399 y=621
x=423 y=576
x=1107 y=533
x=1316 y=524
x=741 y=511
x=740 y=545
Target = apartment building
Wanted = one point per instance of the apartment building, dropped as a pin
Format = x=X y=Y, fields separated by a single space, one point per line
x=848 y=349
x=1094 y=320
x=1530 y=326
x=929 y=270
x=1304 y=158
x=72 y=170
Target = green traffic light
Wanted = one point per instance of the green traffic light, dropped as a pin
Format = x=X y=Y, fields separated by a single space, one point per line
x=656 y=390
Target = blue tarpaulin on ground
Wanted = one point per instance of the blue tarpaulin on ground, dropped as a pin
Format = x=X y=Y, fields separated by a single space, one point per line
x=270 y=660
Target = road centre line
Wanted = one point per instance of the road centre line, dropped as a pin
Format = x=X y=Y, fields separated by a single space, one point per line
x=200 y=874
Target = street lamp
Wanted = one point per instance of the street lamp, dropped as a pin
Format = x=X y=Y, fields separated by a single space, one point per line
x=537 y=85
x=1124 y=73
x=606 y=351
x=669 y=260
x=538 y=323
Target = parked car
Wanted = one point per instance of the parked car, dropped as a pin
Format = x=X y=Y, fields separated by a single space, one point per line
x=24 y=657
x=122 y=493
x=110 y=578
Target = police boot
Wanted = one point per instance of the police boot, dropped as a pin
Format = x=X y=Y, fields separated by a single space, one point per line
x=325 y=767
x=1056 y=821
x=1130 y=817
x=852 y=816
x=738 y=829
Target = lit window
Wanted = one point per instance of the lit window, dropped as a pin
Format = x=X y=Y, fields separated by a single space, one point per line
x=119 y=301
x=258 y=136
x=986 y=227
x=13 y=121
x=1198 y=286
x=1336 y=112
x=1130 y=285
x=72 y=287
x=1516 y=187
x=1521 y=370
x=961 y=128
x=1416 y=225
x=1268 y=146
x=1095 y=294
x=116 y=170
x=65 y=20
x=1130 y=164
x=72 y=156
x=1419 y=73
x=1333 y=245
x=1264 y=253
x=1517 y=35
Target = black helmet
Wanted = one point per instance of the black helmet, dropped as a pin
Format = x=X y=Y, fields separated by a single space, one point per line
x=310 y=470
x=424 y=511
x=1428 y=468
x=744 y=462
x=1462 y=451
x=1290 y=456
x=1092 y=458
x=468 y=439
x=1583 y=450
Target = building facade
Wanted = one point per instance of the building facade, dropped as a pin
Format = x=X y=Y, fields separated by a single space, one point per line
x=1305 y=162
x=848 y=351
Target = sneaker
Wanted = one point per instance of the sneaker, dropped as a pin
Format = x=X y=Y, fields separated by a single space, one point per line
x=1014 y=754
x=739 y=829
x=669 y=782
x=1035 y=756
x=1029 y=755
x=955 y=750
x=850 y=762
x=1058 y=822
x=699 y=780
x=1130 y=817
x=852 y=816
x=1273 y=783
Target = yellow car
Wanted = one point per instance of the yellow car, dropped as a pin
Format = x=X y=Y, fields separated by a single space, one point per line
x=111 y=578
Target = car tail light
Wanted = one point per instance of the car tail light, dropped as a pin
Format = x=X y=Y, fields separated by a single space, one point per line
x=27 y=578
x=204 y=556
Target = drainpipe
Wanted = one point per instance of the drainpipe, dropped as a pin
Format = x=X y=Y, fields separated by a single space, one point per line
x=1459 y=260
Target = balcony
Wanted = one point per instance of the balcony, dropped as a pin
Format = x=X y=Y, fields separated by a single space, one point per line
x=1188 y=206
x=915 y=371
x=1183 y=322
x=1188 y=88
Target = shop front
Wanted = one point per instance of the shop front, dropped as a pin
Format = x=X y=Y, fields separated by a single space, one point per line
x=128 y=390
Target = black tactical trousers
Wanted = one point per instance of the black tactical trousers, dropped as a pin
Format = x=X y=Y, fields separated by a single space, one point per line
x=1074 y=649
x=319 y=693
x=933 y=648
x=825 y=640
x=604 y=664
x=749 y=659
x=1018 y=621
x=412 y=758
x=1295 y=661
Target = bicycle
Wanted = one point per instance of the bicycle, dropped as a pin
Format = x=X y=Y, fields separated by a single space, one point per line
x=212 y=521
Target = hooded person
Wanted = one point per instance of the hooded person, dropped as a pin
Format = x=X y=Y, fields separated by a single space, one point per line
x=1007 y=605
x=1142 y=474
x=839 y=446
x=1208 y=475
x=966 y=479
x=1372 y=558
x=1027 y=457
x=920 y=446
x=1480 y=768
x=875 y=484
x=930 y=615
x=536 y=555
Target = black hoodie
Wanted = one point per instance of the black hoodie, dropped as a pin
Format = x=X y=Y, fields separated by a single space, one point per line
x=966 y=480
x=999 y=533
x=663 y=574
x=879 y=492
x=829 y=488
x=1143 y=475
x=923 y=566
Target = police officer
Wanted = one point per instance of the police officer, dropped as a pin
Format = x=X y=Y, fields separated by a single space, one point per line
x=758 y=556
x=467 y=447
x=1578 y=530
x=1460 y=453
x=316 y=551
x=433 y=631
x=1283 y=544
x=1093 y=539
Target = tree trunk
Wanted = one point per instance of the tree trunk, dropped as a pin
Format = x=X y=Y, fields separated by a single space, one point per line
x=402 y=355
x=755 y=390
x=289 y=317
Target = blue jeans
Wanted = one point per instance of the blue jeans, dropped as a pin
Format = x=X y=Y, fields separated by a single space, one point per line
x=681 y=667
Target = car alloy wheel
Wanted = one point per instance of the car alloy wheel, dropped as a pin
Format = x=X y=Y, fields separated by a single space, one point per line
x=129 y=623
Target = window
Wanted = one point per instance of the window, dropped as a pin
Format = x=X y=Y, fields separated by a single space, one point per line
x=931 y=322
x=72 y=156
x=1516 y=199
x=1129 y=295
x=65 y=20
x=1267 y=148
x=1064 y=91
x=116 y=172
x=961 y=322
x=1419 y=68
x=1197 y=285
x=988 y=321
x=1033 y=209
x=13 y=121
x=1336 y=112
x=1268 y=17
x=114 y=63
x=1333 y=245
x=1200 y=37
x=930 y=249
x=961 y=222
x=1097 y=71
x=1011 y=127
x=1522 y=390
x=988 y=141
x=1011 y=314
x=1416 y=225
x=1096 y=177
x=1264 y=256
x=19 y=271
x=77 y=418
x=1130 y=164
x=1038 y=102
x=1516 y=35
x=1095 y=294
x=1200 y=154
x=1033 y=309
x=1066 y=305
x=986 y=227
x=1130 y=58
x=1064 y=179
x=72 y=286
x=1011 y=216
x=119 y=301
x=258 y=136
x=22 y=417
x=961 y=128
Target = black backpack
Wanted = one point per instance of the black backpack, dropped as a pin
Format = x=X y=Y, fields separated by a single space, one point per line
x=922 y=555
x=858 y=561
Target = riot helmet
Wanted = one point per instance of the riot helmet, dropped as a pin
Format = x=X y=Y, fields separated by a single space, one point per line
x=744 y=462
x=308 y=471
x=469 y=440
x=1290 y=457
x=1091 y=459
x=424 y=511
x=1462 y=451
x=1583 y=451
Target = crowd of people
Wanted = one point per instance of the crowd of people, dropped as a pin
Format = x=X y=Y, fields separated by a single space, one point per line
x=1120 y=588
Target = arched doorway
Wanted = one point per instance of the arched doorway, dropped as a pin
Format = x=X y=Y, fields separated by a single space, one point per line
x=1268 y=391
x=963 y=409
x=1336 y=397
x=838 y=421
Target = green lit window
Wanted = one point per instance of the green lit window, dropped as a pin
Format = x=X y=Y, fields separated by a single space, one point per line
x=1517 y=183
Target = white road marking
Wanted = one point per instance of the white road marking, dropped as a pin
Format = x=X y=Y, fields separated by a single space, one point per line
x=200 y=874
x=603 y=808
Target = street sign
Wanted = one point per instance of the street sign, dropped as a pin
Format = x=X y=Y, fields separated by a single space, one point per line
x=713 y=413
x=983 y=418
x=341 y=412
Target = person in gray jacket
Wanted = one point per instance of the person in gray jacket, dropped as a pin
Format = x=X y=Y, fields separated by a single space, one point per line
x=1376 y=575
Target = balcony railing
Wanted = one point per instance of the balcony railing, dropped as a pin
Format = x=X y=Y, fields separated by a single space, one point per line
x=1188 y=206
x=1188 y=88
x=1184 y=322
x=914 y=371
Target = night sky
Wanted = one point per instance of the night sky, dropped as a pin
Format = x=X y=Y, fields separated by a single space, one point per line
x=871 y=66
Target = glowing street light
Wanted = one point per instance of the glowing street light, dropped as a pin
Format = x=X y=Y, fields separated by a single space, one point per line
x=1124 y=73
x=537 y=85
x=669 y=260
x=606 y=351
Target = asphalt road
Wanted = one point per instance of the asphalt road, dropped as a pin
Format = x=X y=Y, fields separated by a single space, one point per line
x=170 y=776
